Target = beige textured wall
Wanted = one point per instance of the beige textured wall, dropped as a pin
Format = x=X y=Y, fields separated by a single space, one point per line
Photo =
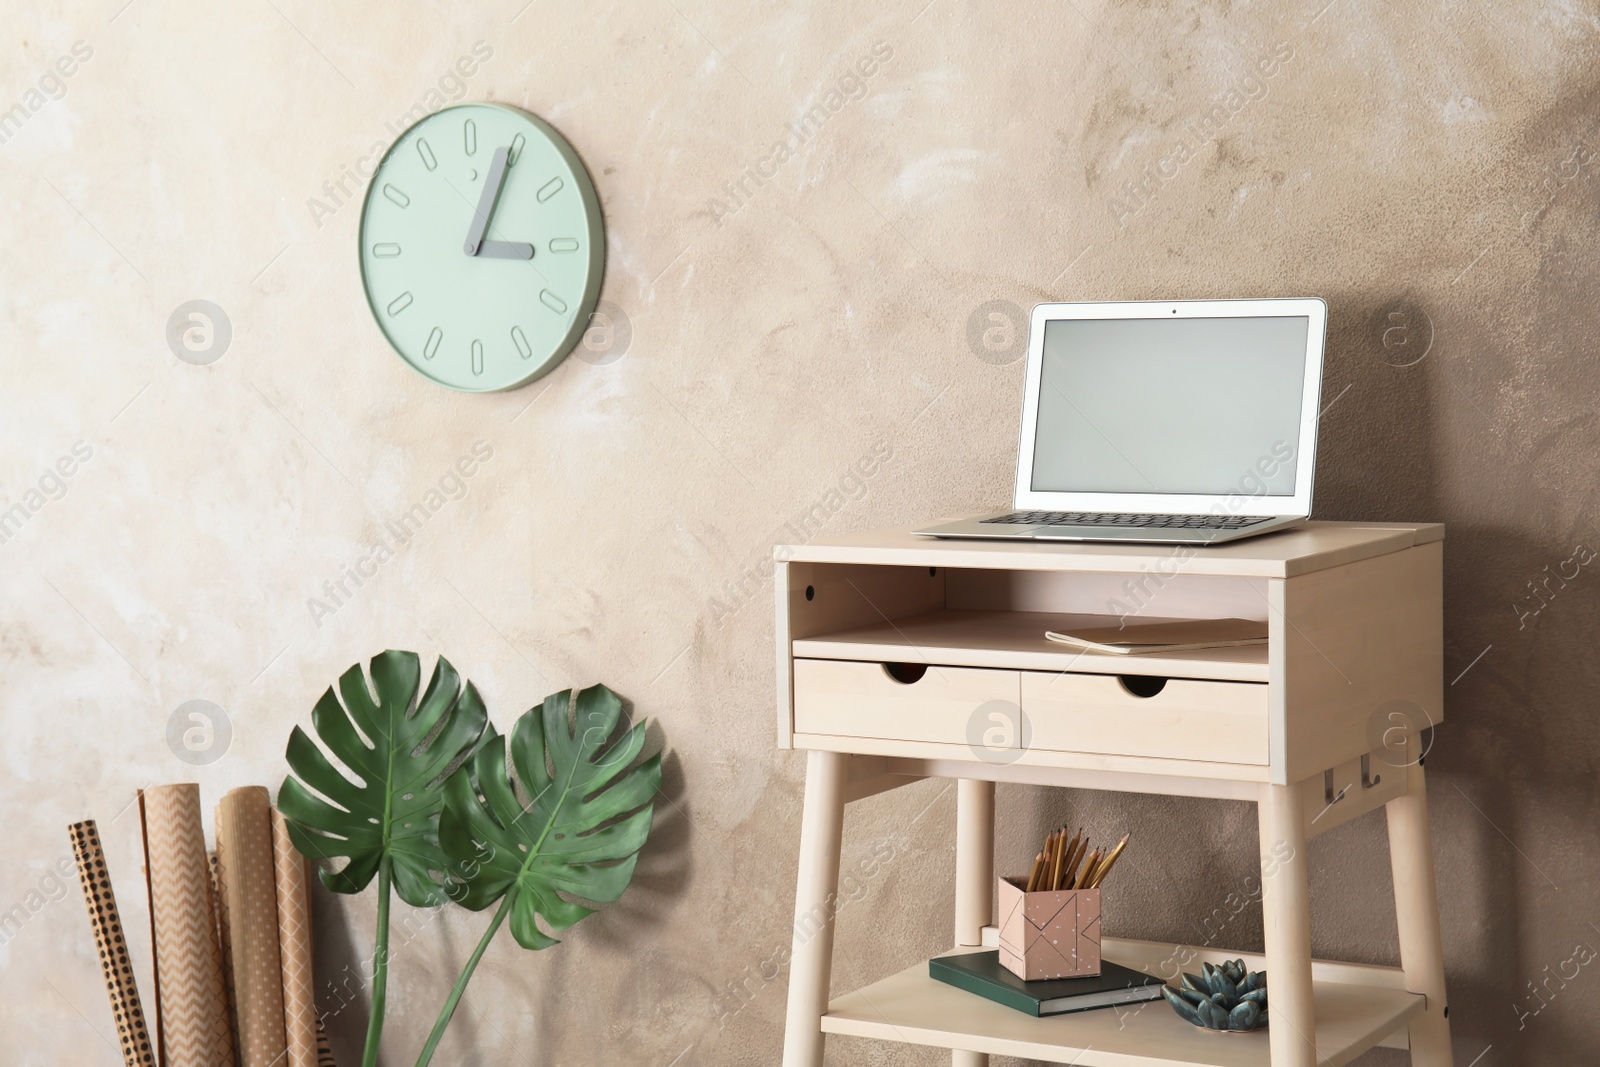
x=1424 y=166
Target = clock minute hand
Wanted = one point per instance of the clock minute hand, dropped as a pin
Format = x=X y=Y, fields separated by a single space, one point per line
x=492 y=183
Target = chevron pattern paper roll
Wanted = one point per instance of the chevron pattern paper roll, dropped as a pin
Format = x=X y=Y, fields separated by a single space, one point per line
x=192 y=1007
x=248 y=890
x=294 y=946
x=114 y=960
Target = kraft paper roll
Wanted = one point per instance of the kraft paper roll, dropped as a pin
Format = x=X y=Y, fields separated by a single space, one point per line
x=224 y=944
x=248 y=890
x=114 y=960
x=191 y=1004
x=324 y=1050
x=294 y=946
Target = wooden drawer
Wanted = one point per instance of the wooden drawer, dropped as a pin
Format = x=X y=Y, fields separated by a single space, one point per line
x=848 y=698
x=1213 y=722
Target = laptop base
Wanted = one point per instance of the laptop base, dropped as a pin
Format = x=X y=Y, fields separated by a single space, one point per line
x=1151 y=535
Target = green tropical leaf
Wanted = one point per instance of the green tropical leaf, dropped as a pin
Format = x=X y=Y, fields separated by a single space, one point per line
x=383 y=804
x=585 y=816
x=572 y=820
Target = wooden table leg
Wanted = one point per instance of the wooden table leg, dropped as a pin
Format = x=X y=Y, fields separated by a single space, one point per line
x=974 y=877
x=1416 y=905
x=816 y=900
x=1286 y=909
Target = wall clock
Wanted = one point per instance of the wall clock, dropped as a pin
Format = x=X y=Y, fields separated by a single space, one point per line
x=482 y=247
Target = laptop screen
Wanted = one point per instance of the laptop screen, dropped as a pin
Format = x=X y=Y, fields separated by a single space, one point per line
x=1184 y=405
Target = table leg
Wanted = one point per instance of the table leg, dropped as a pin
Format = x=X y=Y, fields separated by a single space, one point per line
x=974 y=877
x=1416 y=906
x=974 y=860
x=815 y=902
x=1286 y=909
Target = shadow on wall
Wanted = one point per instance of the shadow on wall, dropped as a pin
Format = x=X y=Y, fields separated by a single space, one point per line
x=1444 y=422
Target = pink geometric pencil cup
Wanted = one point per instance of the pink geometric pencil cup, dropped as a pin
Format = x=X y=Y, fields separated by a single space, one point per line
x=1050 y=934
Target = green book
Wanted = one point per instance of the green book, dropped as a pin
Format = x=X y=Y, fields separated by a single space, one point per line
x=981 y=973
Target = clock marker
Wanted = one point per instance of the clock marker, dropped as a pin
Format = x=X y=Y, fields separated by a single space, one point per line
x=432 y=346
x=386 y=251
x=516 y=147
x=395 y=196
x=470 y=134
x=563 y=244
x=552 y=301
x=400 y=303
x=548 y=189
x=477 y=357
x=521 y=341
x=425 y=150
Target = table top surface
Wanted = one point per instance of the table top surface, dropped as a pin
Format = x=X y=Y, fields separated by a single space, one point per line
x=1312 y=547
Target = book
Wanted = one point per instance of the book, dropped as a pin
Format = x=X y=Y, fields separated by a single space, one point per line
x=1166 y=635
x=982 y=974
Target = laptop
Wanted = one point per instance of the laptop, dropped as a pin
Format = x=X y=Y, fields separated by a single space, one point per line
x=1176 y=422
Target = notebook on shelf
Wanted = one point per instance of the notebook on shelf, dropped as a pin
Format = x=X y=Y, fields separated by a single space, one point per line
x=981 y=973
x=1167 y=635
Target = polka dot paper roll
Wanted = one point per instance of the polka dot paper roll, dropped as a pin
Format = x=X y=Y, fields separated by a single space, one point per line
x=114 y=960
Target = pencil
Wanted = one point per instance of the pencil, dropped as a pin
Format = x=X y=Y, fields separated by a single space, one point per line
x=1105 y=865
x=1038 y=870
x=1082 y=879
x=1053 y=878
x=1079 y=845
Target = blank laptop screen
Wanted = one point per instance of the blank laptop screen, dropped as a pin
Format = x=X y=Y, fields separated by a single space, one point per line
x=1196 y=405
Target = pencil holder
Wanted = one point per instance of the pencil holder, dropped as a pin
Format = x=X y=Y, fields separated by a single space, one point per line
x=1051 y=934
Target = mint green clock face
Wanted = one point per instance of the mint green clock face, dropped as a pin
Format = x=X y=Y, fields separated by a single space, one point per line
x=478 y=291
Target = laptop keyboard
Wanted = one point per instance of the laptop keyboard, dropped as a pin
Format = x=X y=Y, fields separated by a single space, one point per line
x=1148 y=522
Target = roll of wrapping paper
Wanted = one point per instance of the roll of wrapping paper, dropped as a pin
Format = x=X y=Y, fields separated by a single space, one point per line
x=294 y=947
x=222 y=942
x=324 y=1050
x=191 y=1005
x=248 y=890
x=114 y=960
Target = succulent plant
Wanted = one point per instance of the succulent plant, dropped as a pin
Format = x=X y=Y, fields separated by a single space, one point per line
x=1222 y=998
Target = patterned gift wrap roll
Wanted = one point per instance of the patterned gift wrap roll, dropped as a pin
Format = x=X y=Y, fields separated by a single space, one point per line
x=294 y=946
x=247 y=887
x=114 y=960
x=191 y=1002
x=324 y=1050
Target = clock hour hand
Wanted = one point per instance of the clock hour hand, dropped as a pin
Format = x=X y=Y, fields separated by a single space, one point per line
x=492 y=184
x=506 y=250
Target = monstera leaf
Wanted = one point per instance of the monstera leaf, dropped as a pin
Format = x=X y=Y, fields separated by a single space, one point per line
x=381 y=813
x=583 y=813
x=397 y=748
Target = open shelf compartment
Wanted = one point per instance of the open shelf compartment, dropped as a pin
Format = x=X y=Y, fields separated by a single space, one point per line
x=1357 y=1007
x=1015 y=640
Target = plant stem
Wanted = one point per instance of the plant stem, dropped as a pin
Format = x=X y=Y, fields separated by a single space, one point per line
x=460 y=987
x=380 y=969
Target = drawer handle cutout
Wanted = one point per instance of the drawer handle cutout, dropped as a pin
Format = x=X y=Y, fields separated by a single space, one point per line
x=1141 y=685
x=905 y=673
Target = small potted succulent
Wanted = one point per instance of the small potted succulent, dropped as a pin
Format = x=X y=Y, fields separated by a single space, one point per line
x=1226 y=999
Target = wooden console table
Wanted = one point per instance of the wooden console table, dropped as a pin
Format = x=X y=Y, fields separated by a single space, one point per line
x=902 y=658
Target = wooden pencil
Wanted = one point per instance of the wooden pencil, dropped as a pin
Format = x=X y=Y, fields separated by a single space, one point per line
x=1082 y=879
x=1036 y=874
x=1061 y=858
x=1079 y=844
x=1105 y=865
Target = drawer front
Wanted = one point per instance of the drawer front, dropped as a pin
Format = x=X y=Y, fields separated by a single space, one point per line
x=847 y=698
x=1212 y=722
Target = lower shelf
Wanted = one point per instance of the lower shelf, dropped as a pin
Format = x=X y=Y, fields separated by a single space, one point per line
x=911 y=1008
